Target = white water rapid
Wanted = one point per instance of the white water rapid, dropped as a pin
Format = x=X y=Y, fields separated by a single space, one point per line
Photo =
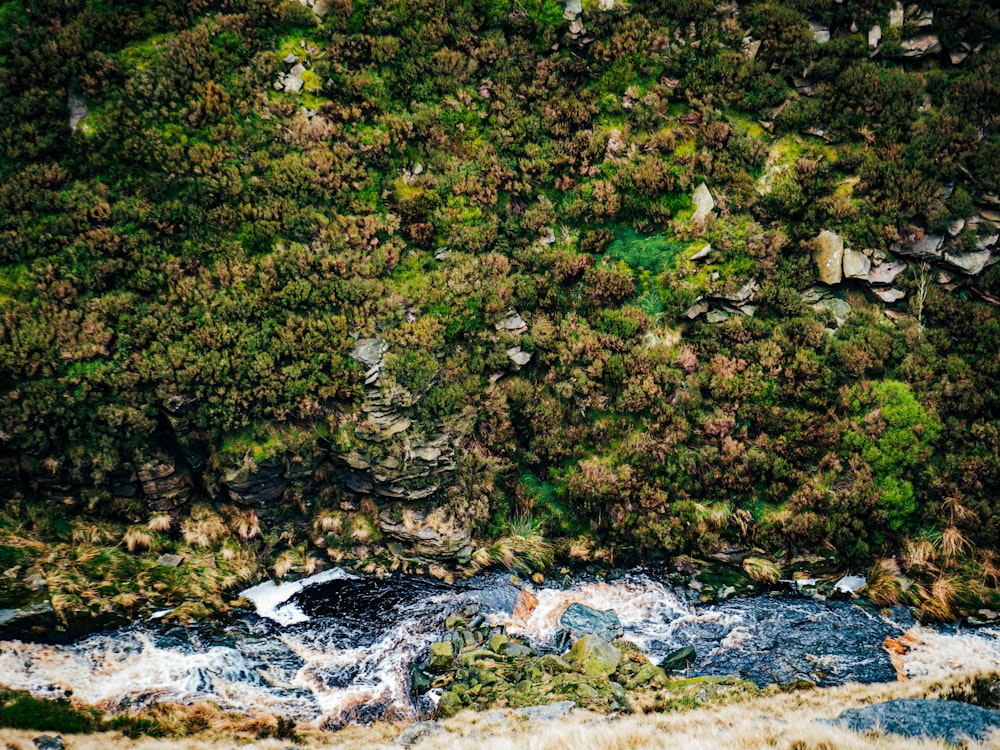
x=335 y=648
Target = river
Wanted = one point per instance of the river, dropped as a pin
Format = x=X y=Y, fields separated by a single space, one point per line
x=335 y=648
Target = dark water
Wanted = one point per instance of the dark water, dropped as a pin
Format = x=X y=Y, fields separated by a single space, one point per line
x=336 y=648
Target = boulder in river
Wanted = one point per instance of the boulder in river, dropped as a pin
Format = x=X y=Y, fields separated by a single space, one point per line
x=681 y=658
x=951 y=721
x=583 y=620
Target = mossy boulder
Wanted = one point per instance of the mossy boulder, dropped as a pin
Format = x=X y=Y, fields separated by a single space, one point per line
x=441 y=658
x=594 y=656
x=681 y=658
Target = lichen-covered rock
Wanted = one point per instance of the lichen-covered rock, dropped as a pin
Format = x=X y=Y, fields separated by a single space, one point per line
x=594 y=656
x=441 y=658
x=856 y=264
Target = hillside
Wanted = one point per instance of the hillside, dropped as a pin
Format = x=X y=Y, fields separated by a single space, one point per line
x=432 y=286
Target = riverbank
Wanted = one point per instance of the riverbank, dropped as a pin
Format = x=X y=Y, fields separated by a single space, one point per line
x=782 y=720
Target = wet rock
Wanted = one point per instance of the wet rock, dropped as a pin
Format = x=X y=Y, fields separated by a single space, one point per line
x=584 y=620
x=594 y=656
x=420 y=681
x=26 y=618
x=704 y=203
x=829 y=256
x=441 y=657
x=416 y=732
x=49 y=742
x=856 y=264
x=969 y=263
x=951 y=721
x=681 y=658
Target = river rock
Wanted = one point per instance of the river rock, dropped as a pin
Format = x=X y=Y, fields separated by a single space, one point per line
x=49 y=742
x=951 y=721
x=703 y=201
x=441 y=657
x=856 y=264
x=584 y=620
x=829 y=256
x=681 y=658
x=594 y=656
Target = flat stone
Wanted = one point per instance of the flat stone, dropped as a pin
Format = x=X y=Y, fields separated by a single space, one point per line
x=921 y=45
x=511 y=322
x=955 y=226
x=292 y=84
x=77 y=110
x=929 y=247
x=957 y=56
x=889 y=295
x=886 y=273
x=518 y=357
x=952 y=721
x=170 y=561
x=290 y=59
x=550 y=712
x=856 y=264
x=369 y=351
x=829 y=257
x=988 y=241
x=572 y=9
x=969 y=263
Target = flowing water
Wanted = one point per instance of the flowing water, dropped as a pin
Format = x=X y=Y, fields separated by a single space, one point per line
x=335 y=648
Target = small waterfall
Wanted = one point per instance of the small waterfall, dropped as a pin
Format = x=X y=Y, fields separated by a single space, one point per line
x=336 y=648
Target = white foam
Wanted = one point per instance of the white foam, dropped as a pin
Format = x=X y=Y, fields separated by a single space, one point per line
x=271 y=599
x=933 y=653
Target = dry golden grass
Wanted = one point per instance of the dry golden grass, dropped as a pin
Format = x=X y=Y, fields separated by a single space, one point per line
x=783 y=721
x=159 y=523
x=137 y=539
x=883 y=587
x=761 y=570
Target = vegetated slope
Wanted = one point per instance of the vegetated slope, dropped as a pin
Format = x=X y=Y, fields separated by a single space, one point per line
x=389 y=281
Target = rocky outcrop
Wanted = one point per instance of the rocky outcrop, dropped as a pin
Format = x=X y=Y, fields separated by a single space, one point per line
x=431 y=532
x=253 y=484
x=164 y=484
